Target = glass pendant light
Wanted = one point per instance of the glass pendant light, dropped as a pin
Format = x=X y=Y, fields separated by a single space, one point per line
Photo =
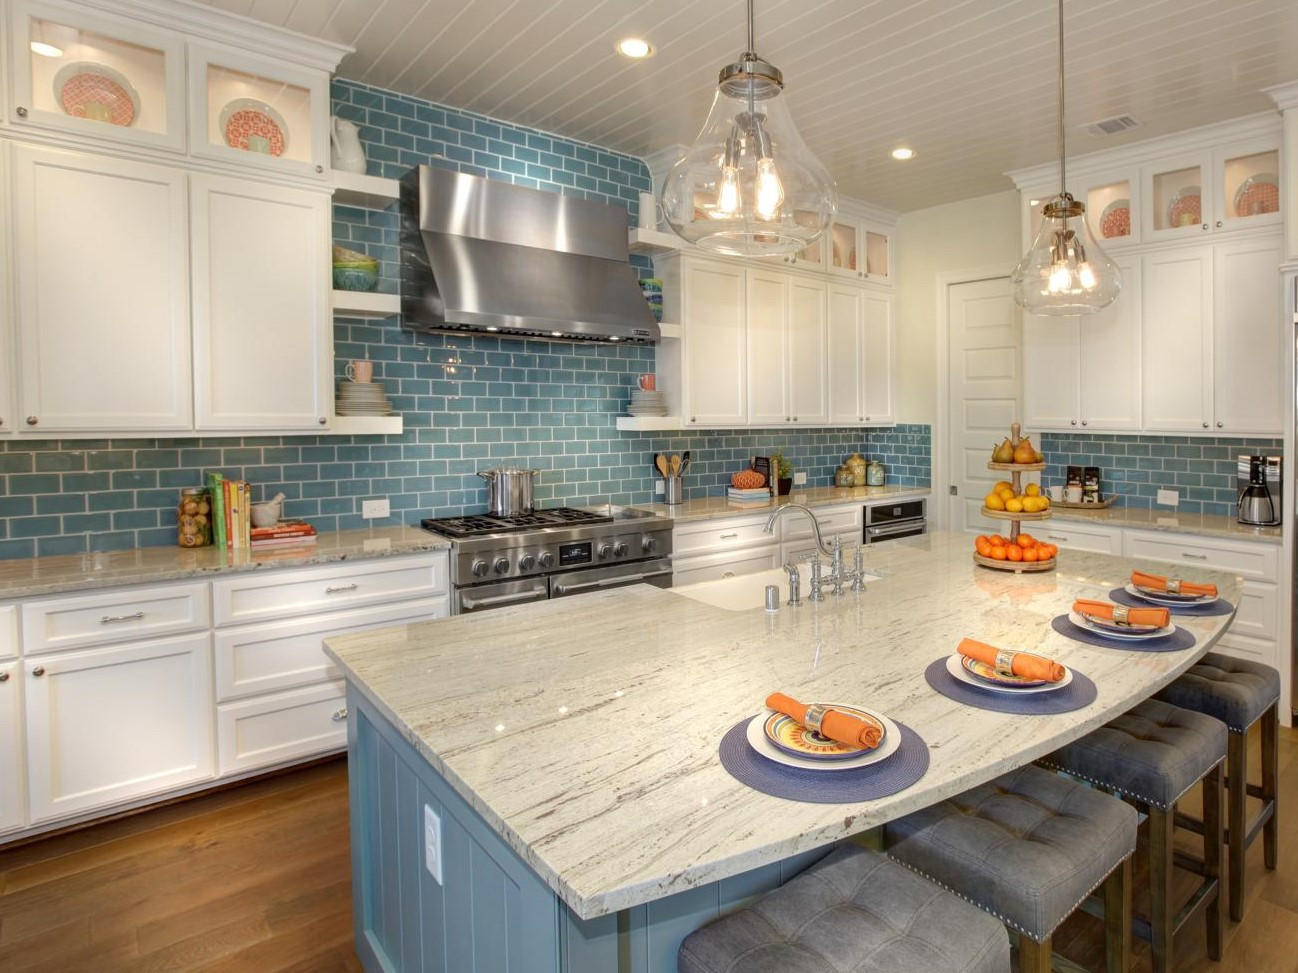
x=1064 y=272
x=748 y=184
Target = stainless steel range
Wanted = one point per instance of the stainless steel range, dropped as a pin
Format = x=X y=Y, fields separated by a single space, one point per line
x=499 y=561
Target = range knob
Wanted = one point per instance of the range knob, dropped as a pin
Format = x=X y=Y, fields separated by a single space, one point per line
x=602 y=551
x=501 y=564
x=479 y=568
x=527 y=562
x=647 y=544
x=547 y=559
x=619 y=549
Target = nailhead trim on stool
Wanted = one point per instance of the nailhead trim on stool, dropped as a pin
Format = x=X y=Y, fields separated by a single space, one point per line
x=852 y=912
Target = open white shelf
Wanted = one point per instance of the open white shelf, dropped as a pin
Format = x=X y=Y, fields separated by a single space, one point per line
x=651 y=242
x=370 y=192
x=367 y=425
x=366 y=304
x=648 y=423
x=669 y=330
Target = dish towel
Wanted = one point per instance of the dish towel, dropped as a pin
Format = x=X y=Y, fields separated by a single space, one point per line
x=1122 y=615
x=1025 y=665
x=839 y=727
x=1156 y=582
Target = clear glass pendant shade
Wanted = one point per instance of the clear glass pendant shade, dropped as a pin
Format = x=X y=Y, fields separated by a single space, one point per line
x=1065 y=271
x=748 y=184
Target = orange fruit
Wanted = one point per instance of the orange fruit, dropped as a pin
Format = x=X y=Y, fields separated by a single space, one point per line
x=996 y=539
x=984 y=547
x=998 y=552
x=1029 y=554
x=980 y=538
x=1047 y=551
x=1027 y=540
x=1014 y=552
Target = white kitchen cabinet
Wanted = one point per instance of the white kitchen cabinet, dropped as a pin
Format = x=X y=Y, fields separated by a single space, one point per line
x=13 y=804
x=102 y=287
x=281 y=727
x=726 y=564
x=860 y=354
x=714 y=343
x=1081 y=537
x=787 y=345
x=114 y=615
x=1084 y=372
x=797 y=541
x=111 y=724
x=1176 y=312
x=858 y=246
x=263 y=324
x=7 y=373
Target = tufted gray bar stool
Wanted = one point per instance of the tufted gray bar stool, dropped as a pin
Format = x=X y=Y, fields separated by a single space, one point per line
x=1239 y=693
x=1029 y=847
x=852 y=912
x=1151 y=755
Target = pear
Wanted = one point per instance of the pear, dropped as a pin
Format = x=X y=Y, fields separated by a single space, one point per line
x=1004 y=453
x=1023 y=452
x=1039 y=457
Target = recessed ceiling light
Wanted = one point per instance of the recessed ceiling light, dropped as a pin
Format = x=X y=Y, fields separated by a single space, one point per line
x=635 y=48
x=903 y=153
x=46 y=50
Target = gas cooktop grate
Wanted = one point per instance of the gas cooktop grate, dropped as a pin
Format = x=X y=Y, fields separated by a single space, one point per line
x=480 y=524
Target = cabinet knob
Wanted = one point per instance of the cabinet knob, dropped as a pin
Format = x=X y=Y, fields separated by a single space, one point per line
x=1083 y=422
x=787 y=419
x=339 y=715
x=1219 y=424
x=1219 y=224
x=319 y=168
x=1205 y=425
x=1205 y=226
x=692 y=419
x=38 y=671
x=1072 y=422
x=20 y=111
x=4 y=677
x=867 y=419
x=32 y=420
x=324 y=420
x=2 y=420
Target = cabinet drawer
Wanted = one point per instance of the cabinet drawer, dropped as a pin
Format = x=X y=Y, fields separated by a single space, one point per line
x=721 y=535
x=114 y=616
x=841 y=520
x=1098 y=540
x=710 y=567
x=1258 y=561
x=1259 y=610
x=1243 y=647
x=8 y=631
x=252 y=659
x=264 y=596
x=284 y=726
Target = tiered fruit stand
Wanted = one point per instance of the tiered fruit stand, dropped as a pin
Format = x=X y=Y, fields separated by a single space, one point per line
x=1016 y=470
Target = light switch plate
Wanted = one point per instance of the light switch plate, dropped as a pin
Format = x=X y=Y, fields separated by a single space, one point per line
x=1169 y=498
x=371 y=509
x=660 y=487
x=433 y=844
x=800 y=478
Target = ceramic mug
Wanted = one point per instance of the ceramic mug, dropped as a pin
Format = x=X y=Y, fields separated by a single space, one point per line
x=361 y=372
x=1055 y=493
x=647 y=383
x=650 y=214
x=1074 y=494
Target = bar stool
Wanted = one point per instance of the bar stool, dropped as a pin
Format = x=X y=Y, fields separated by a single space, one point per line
x=1239 y=693
x=1152 y=755
x=852 y=911
x=1029 y=847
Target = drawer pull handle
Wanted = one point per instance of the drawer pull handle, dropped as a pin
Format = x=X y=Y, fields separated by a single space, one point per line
x=728 y=537
x=4 y=677
x=339 y=715
x=1057 y=537
x=38 y=671
x=1196 y=557
x=728 y=574
x=109 y=619
x=334 y=589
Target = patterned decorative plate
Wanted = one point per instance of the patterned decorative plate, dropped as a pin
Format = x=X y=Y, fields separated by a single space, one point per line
x=1185 y=208
x=253 y=126
x=1257 y=195
x=789 y=735
x=1109 y=624
x=1129 y=635
x=97 y=92
x=990 y=674
x=1115 y=221
x=955 y=666
x=757 y=739
x=1165 y=598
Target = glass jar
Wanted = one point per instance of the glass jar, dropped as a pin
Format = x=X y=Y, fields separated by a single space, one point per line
x=856 y=466
x=194 y=517
x=874 y=473
x=843 y=477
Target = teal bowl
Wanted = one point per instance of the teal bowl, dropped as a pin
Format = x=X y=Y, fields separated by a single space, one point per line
x=355 y=278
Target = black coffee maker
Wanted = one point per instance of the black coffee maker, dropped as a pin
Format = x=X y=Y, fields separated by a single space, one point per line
x=1259 y=497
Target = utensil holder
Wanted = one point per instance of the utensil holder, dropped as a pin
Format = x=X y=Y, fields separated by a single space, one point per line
x=674 y=490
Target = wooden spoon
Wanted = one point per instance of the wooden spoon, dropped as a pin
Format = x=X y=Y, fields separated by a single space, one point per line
x=676 y=465
x=660 y=461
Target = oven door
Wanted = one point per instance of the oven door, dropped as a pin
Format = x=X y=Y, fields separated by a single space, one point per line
x=894 y=530
x=500 y=594
x=657 y=572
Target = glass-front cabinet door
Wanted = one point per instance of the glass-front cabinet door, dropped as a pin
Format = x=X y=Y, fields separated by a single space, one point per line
x=841 y=243
x=93 y=74
x=257 y=112
x=1178 y=199
x=1110 y=210
x=1249 y=190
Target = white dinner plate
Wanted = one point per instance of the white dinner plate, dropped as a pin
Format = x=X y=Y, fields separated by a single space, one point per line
x=957 y=669
x=1169 y=601
x=1081 y=621
x=758 y=741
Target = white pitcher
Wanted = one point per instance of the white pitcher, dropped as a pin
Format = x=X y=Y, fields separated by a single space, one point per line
x=345 y=146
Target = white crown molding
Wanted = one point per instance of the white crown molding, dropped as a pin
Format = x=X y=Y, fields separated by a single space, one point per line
x=1285 y=96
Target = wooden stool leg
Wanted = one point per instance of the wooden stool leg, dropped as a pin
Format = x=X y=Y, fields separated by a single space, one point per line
x=1117 y=919
x=1270 y=770
x=1034 y=957
x=1212 y=858
x=1162 y=912
x=1236 y=821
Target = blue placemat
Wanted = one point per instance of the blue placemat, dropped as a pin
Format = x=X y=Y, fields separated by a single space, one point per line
x=1178 y=640
x=1219 y=607
x=888 y=776
x=1077 y=694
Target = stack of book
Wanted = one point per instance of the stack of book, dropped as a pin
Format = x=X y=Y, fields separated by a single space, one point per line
x=754 y=495
x=287 y=533
x=231 y=511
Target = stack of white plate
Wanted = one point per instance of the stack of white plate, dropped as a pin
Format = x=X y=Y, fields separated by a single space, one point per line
x=646 y=404
x=361 y=399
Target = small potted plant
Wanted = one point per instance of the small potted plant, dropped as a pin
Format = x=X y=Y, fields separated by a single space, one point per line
x=783 y=474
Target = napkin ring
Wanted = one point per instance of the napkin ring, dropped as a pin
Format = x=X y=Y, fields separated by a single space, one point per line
x=1173 y=586
x=1005 y=661
x=813 y=717
x=1120 y=615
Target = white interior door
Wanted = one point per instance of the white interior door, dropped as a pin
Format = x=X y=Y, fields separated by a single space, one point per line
x=983 y=392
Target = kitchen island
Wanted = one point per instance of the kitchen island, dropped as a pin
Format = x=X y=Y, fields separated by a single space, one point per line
x=565 y=753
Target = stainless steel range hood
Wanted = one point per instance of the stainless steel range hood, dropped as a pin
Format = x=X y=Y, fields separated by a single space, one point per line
x=480 y=255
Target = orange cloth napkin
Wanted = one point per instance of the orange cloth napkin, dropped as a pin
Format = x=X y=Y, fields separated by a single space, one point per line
x=1156 y=582
x=839 y=727
x=1022 y=664
x=1159 y=617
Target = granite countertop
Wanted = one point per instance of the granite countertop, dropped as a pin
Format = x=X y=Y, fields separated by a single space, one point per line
x=1139 y=518
x=715 y=508
x=584 y=730
x=28 y=577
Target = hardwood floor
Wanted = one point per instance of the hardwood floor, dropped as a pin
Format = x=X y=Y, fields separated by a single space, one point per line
x=255 y=880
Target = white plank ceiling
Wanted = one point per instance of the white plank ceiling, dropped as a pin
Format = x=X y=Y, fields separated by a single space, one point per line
x=969 y=84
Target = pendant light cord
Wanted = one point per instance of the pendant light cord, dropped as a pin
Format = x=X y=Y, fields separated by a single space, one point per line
x=1063 y=182
x=750 y=27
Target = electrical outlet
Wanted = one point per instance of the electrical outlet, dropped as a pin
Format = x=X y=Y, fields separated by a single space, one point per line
x=800 y=478
x=433 y=844
x=375 y=508
x=1169 y=498
x=660 y=487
